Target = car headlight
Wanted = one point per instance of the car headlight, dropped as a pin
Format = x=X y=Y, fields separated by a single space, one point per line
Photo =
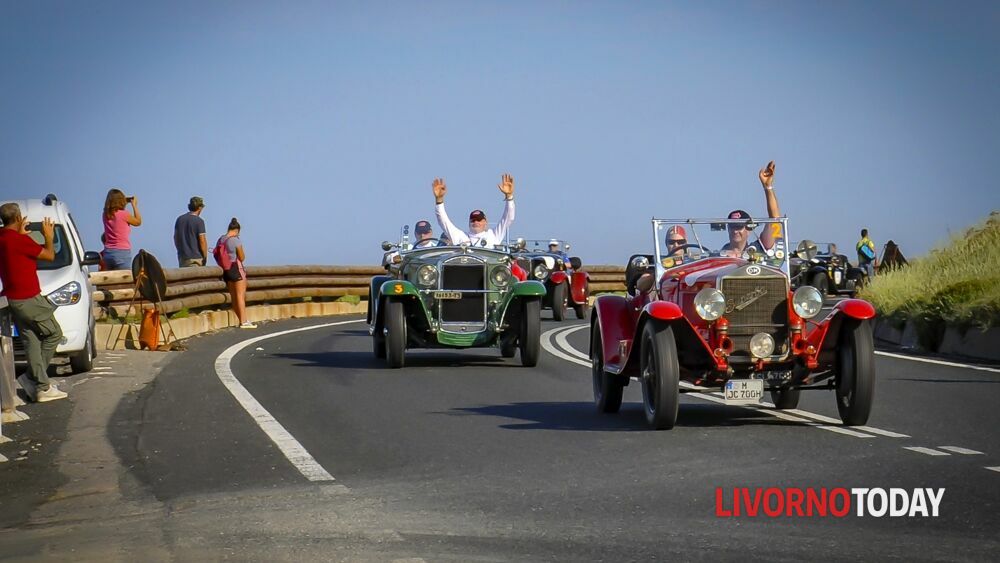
x=68 y=294
x=640 y=262
x=807 y=301
x=500 y=276
x=761 y=345
x=710 y=303
x=427 y=275
x=540 y=272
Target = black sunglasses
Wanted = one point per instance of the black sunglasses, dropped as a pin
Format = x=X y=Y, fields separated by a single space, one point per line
x=675 y=241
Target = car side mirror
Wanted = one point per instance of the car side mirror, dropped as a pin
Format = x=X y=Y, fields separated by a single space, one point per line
x=567 y=247
x=520 y=244
x=91 y=258
x=386 y=245
x=806 y=250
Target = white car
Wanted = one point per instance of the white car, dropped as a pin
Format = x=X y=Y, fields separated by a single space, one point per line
x=65 y=281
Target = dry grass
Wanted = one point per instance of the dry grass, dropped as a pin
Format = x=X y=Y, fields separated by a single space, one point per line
x=958 y=283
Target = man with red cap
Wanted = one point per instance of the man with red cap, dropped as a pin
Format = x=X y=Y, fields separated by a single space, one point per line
x=478 y=227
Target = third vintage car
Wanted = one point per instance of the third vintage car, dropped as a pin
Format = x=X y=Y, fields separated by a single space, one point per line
x=703 y=319
x=828 y=271
x=453 y=297
x=566 y=284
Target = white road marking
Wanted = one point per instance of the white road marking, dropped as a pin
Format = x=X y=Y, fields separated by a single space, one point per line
x=293 y=450
x=958 y=450
x=102 y=368
x=938 y=362
x=997 y=468
x=922 y=450
x=560 y=338
x=565 y=345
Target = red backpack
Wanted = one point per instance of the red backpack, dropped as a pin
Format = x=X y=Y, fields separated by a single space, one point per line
x=221 y=254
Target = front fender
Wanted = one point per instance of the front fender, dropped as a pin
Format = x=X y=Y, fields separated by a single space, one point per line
x=663 y=310
x=616 y=318
x=580 y=287
x=374 y=287
x=856 y=309
x=398 y=288
x=558 y=277
x=530 y=288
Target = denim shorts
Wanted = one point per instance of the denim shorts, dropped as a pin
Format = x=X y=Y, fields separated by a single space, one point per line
x=117 y=259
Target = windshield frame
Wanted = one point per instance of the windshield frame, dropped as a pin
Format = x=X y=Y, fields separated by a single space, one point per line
x=660 y=225
x=61 y=243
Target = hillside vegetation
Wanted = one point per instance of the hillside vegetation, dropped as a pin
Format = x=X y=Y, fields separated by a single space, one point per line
x=957 y=283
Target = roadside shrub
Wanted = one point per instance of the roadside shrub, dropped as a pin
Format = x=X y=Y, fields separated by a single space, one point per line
x=956 y=283
x=352 y=299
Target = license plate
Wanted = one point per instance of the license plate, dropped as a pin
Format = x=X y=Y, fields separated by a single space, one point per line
x=744 y=391
x=447 y=295
x=13 y=328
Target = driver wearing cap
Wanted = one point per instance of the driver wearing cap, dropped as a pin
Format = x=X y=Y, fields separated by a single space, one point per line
x=554 y=249
x=425 y=235
x=478 y=226
x=739 y=235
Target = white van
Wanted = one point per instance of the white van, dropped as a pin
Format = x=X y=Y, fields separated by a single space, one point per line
x=65 y=281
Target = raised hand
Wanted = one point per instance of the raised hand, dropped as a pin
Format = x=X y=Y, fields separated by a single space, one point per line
x=440 y=189
x=506 y=185
x=48 y=228
x=766 y=175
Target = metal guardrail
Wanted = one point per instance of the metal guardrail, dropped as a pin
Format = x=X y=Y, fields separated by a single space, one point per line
x=202 y=287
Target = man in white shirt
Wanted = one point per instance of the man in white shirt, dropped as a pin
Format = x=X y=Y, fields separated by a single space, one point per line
x=478 y=226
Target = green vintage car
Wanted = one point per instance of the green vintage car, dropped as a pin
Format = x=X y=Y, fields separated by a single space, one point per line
x=453 y=297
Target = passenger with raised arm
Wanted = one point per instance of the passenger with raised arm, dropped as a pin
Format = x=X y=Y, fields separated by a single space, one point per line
x=739 y=235
x=478 y=226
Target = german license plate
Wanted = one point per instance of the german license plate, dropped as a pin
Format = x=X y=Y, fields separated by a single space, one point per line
x=744 y=391
x=447 y=295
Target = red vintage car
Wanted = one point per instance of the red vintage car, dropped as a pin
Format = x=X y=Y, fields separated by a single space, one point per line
x=566 y=285
x=706 y=315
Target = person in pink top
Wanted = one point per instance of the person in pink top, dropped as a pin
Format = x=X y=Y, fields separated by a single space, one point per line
x=118 y=225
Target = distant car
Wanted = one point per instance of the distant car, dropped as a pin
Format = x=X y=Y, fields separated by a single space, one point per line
x=65 y=281
x=828 y=271
x=566 y=285
x=726 y=324
x=453 y=297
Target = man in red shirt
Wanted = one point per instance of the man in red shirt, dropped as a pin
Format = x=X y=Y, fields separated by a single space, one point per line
x=33 y=314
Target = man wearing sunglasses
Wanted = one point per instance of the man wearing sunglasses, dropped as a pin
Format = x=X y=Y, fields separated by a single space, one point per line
x=739 y=235
x=478 y=226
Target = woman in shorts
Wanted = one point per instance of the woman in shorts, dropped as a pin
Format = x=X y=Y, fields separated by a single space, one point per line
x=235 y=275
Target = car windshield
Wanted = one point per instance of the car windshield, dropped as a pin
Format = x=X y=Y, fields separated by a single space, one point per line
x=695 y=239
x=542 y=245
x=64 y=256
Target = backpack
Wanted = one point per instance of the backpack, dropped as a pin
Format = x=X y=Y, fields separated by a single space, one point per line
x=867 y=251
x=221 y=254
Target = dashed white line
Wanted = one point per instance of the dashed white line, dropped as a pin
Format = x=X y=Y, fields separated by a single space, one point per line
x=927 y=451
x=289 y=446
x=938 y=362
x=958 y=450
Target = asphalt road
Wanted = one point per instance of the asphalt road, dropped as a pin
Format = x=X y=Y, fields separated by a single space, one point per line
x=466 y=456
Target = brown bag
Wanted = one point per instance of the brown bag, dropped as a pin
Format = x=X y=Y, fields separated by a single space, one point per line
x=149 y=332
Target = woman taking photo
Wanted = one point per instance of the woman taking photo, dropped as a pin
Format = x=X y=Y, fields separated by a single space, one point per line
x=230 y=256
x=118 y=225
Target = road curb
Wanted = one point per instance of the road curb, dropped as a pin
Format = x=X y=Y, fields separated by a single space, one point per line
x=115 y=337
x=975 y=344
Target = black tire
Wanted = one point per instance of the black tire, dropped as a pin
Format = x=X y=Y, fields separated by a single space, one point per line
x=530 y=337
x=607 y=387
x=855 y=372
x=83 y=361
x=395 y=338
x=660 y=376
x=559 y=296
x=820 y=282
x=508 y=346
x=378 y=344
x=785 y=398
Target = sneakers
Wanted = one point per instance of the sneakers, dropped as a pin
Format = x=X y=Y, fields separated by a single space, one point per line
x=51 y=394
x=248 y=324
x=29 y=387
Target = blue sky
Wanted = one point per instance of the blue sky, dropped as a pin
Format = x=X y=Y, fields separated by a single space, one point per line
x=320 y=125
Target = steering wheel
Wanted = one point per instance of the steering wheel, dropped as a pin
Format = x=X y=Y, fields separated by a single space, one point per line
x=682 y=247
x=421 y=244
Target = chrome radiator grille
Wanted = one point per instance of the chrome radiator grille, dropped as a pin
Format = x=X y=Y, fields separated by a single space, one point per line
x=472 y=306
x=768 y=313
